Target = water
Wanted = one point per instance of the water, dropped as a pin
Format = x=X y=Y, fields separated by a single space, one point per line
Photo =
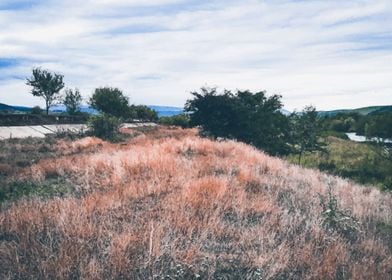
x=360 y=138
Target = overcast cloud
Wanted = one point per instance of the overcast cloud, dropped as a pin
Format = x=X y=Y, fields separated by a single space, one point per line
x=332 y=54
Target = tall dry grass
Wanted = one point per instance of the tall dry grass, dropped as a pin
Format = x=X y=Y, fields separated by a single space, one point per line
x=170 y=204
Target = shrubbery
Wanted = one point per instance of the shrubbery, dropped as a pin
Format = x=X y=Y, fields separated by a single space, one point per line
x=181 y=120
x=253 y=118
x=104 y=126
x=36 y=110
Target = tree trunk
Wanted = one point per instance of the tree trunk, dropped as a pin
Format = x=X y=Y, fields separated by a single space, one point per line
x=299 y=157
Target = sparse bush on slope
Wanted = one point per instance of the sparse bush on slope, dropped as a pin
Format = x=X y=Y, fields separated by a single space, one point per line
x=104 y=126
x=173 y=206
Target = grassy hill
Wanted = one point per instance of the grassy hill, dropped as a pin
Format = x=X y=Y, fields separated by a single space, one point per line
x=361 y=111
x=167 y=204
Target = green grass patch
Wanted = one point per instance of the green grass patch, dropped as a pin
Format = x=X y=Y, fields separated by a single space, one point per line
x=361 y=162
x=47 y=189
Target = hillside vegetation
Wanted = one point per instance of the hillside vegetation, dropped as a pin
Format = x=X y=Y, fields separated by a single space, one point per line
x=365 y=163
x=167 y=204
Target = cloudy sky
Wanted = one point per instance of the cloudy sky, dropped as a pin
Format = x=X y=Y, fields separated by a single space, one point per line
x=331 y=54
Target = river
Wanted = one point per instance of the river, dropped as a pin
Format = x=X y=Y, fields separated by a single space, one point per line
x=360 y=138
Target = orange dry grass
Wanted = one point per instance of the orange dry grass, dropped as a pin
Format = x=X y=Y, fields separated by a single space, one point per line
x=170 y=199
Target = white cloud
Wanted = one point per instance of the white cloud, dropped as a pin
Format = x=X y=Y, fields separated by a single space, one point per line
x=329 y=53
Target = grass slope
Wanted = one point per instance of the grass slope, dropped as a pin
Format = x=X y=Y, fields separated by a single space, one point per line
x=169 y=205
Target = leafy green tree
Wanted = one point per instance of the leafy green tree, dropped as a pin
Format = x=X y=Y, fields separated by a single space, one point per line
x=253 y=118
x=111 y=101
x=379 y=126
x=305 y=132
x=46 y=85
x=142 y=112
x=72 y=101
x=36 y=110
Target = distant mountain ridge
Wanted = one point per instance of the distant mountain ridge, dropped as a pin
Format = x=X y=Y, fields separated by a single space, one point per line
x=371 y=110
x=10 y=108
x=163 y=111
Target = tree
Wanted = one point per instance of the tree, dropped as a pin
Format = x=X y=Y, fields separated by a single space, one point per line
x=142 y=112
x=379 y=126
x=46 y=85
x=253 y=118
x=72 y=101
x=305 y=131
x=104 y=126
x=36 y=110
x=110 y=101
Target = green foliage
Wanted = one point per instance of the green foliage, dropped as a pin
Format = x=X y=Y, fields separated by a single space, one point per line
x=379 y=126
x=250 y=117
x=48 y=188
x=336 y=219
x=305 y=132
x=326 y=133
x=362 y=162
x=36 y=110
x=72 y=101
x=181 y=120
x=142 y=112
x=104 y=126
x=46 y=85
x=110 y=101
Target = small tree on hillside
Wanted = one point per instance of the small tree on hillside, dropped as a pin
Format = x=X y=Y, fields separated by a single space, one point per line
x=72 y=101
x=111 y=101
x=253 y=118
x=305 y=132
x=46 y=85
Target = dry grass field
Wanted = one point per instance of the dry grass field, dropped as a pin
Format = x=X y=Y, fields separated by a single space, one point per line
x=167 y=204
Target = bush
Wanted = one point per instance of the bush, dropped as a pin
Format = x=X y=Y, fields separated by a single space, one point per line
x=104 y=126
x=142 y=113
x=36 y=110
x=336 y=219
x=181 y=120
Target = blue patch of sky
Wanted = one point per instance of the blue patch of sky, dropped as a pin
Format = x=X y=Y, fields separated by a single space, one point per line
x=135 y=29
x=8 y=62
x=18 y=5
x=156 y=10
x=149 y=77
x=7 y=78
x=372 y=42
x=379 y=17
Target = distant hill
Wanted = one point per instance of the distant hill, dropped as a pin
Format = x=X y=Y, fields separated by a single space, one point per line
x=163 y=111
x=14 y=109
x=166 y=111
x=362 y=111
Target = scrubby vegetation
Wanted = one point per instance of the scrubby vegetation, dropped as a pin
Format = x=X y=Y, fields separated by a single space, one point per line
x=256 y=119
x=181 y=120
x=167 y=204
x=365 y=163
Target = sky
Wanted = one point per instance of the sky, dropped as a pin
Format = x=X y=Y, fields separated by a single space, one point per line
x=329 y=54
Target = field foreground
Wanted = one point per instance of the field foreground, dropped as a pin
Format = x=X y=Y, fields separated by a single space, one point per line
x=169 y=205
